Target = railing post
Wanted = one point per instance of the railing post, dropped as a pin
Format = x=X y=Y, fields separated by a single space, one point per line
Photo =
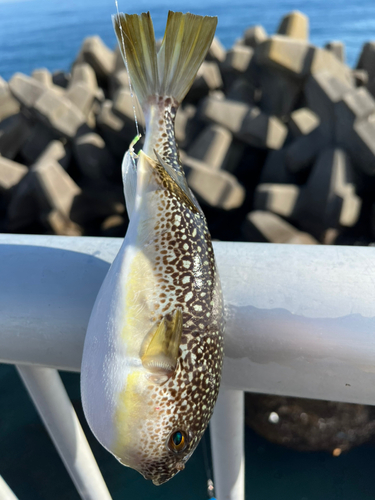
x=227 y=444
x=5 y=492
x=53 y=404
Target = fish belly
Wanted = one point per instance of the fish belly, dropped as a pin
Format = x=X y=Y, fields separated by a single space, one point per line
x=110 y=353
x=120 y=320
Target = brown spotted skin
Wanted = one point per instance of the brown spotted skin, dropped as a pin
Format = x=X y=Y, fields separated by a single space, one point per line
x=185 y=273
x=165 y=142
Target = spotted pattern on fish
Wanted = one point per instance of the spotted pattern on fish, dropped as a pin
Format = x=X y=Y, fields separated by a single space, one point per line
x=165 y=142
x=185 y=273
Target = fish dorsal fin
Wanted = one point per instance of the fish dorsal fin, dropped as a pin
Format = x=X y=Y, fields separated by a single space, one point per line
x=159 y=351
x=171 y=181
x=176 y=176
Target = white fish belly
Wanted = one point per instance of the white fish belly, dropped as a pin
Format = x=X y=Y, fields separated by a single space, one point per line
x=119 y=321
x=106 y=363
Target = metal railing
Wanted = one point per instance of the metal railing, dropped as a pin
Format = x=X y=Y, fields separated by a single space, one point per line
x=299 y=322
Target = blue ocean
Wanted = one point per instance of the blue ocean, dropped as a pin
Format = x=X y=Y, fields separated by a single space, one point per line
x=48 y=33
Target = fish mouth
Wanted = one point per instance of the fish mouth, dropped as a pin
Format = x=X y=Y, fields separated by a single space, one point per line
x=162 y=479
x=159 y=479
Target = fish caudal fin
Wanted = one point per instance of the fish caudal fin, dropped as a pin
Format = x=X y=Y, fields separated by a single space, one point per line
x=185 y=44
x=136 y=33
x=172 y=70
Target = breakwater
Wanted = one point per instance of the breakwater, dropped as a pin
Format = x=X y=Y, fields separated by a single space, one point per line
x=276 y=137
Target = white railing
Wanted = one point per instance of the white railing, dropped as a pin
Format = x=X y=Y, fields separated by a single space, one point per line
x=300 y=322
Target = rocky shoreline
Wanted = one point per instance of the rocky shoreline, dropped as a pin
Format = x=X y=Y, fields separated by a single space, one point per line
x=277 y=139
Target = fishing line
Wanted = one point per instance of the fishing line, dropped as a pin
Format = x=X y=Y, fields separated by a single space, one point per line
x=210 y=483
x=127 y=70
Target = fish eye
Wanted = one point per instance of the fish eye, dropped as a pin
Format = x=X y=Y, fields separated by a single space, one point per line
x=177 y=441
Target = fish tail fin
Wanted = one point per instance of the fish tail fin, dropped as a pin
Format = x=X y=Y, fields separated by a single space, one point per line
x=185 y=44
x=136 y=38
x=172 y=70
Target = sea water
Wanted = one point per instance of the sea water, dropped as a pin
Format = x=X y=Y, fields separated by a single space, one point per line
x=49 y=33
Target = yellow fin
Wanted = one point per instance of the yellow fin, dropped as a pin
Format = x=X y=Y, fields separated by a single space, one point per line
x=159 y=351
x=172 y=181
x=179 y=179
x=136 y=32
x=185 y=44
x=172 y=71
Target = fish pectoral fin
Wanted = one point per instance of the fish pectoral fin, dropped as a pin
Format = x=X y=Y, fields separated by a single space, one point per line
x=170 y=180
x=159 y=351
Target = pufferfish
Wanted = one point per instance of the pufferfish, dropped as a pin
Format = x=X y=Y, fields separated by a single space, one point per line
x=153 y=351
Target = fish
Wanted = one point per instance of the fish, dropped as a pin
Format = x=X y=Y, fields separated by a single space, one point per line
x=153 y=352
